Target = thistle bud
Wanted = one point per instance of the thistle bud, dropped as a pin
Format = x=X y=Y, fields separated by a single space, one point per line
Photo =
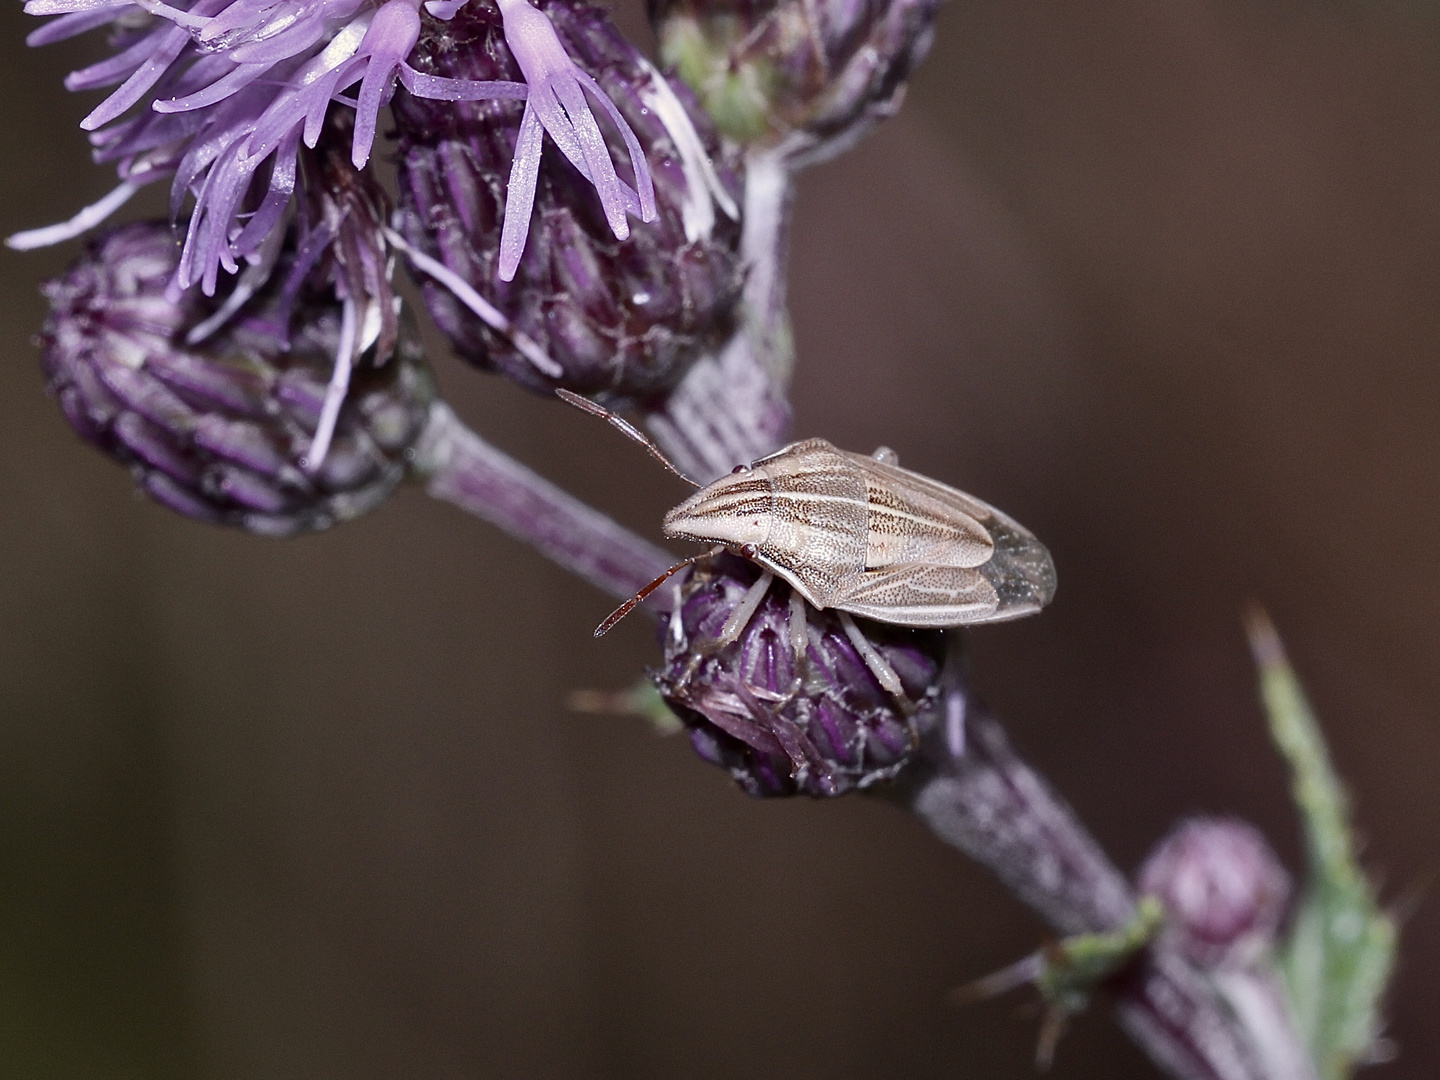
x=218 y=431
x=788 y=720
x=813 y=75
x=618 y=319
x=1223 y=889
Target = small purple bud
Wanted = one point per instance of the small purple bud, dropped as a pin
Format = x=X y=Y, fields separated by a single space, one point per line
x=785 y=721
x=219 y=430
x=1224 y=890
x=809 y=75
x=616 y=318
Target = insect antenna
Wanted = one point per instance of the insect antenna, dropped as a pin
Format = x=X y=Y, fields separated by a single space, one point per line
x=628 y=429
x=635 y=601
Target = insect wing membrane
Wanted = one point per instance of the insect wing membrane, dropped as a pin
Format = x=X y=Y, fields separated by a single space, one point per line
x=913 y=519
x=918 y=595
x=1019 y=568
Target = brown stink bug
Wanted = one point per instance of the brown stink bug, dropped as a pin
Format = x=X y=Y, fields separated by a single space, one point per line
x=859 y=534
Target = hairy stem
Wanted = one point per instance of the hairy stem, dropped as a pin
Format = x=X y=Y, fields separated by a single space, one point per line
x=462 y=468
x=976 y=794
x=731 y=408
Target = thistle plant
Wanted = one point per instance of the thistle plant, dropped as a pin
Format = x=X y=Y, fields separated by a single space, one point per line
x=225 y=430
x=581 y=218
x=619 y=319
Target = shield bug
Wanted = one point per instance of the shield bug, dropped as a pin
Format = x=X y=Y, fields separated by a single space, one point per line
x=859 y=534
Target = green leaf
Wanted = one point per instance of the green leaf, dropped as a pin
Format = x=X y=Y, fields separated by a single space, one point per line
x=641 y=700
x=1340 y=951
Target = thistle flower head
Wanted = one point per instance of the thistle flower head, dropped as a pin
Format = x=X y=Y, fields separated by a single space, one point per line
x=219 y=430
x=1224 y=891
x=618 y=319
x=225 y=92
x=809 y=75
x=792 y=706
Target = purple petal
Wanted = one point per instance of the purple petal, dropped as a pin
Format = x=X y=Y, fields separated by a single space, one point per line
x=199 y=156
x=557 y=124
x=232 y=180
x=205 y=241
x=82 y=222
x=596 y=153
x=190 y=20
x=217 y=91
x=441 y=89
x=444 y=10
x=374 y=92
x=114 y=69
x=292 y=42
x=644 y=184
x=171 y=42
x=389 y=40
x=277 y=198
x=520 y=192
x=313 y=102
x=149 y=131
x=59 y=7
x=68 y=26
x=247 y=18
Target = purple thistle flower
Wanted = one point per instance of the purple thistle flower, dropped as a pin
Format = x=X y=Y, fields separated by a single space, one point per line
x=219 y=431
x=587 y=312
x=557 y=103
x=228 y=92
x=791 y=706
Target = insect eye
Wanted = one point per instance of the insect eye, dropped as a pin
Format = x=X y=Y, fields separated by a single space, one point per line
x=749 y=550
x=739 y=469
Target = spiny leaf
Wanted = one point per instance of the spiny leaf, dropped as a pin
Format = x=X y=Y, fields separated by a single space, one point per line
x=1340 y=951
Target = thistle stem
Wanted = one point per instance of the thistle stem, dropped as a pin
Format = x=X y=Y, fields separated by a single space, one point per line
x=731 y=408
x=460 y=467
x=976 y=794
x=995 y=808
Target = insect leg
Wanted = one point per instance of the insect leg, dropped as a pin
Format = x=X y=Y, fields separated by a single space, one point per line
x=799 y=639
x=877 y=664
x=955 y=724
x=744 y=611
x=734 y=626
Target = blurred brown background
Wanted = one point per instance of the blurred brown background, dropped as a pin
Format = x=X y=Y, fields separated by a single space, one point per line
x=1161 y=279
